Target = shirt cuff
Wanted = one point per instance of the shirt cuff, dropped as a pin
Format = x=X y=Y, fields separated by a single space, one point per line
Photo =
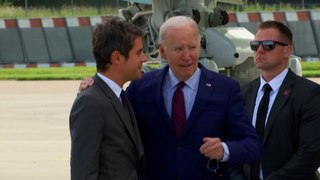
x=226 y=153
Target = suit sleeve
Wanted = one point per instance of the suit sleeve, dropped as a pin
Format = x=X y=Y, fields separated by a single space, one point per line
x=307 y=158
x=86 y=123
x=244 y=145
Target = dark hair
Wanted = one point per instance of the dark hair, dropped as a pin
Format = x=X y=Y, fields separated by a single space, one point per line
x=115 y=34
x=285 y=32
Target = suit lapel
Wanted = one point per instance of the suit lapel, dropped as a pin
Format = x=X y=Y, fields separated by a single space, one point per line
x=251 y=97
x=159 y=99
x=281 y=99
x=122 y=113
x=206 y=86
x=133 y=125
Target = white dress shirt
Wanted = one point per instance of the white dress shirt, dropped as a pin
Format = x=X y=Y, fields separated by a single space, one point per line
x=275 y=84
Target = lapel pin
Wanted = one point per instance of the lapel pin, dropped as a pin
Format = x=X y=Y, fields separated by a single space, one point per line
x=286 y=92
x=208 y=84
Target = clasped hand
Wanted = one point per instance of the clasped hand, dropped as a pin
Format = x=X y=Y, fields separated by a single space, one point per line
x=212 y=148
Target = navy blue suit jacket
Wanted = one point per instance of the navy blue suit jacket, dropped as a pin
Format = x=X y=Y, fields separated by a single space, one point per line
x=218 y=111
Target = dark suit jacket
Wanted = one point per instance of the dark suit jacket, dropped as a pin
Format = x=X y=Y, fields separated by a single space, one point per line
x=105 y=143
x=218 y=111
x=292 y=135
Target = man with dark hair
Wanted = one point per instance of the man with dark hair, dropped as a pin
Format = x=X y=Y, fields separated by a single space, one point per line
x=285 y=110
x=105 y=140
x=193 y=122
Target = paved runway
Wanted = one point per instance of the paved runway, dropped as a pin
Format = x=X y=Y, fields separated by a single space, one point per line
x=34 y=129
x=34 y=134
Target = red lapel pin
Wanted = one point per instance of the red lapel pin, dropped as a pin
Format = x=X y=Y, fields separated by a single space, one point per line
x=286 y=92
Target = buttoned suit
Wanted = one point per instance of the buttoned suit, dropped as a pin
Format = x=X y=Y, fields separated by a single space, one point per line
x=105 y=140
x=218 y=111
x=292 y=134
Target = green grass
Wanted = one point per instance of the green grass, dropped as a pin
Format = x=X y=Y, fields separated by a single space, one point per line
x=65 y=73
x=309 y=69
x=42 y=12
x=311 y=66
x=270 y=8
x=311 y=73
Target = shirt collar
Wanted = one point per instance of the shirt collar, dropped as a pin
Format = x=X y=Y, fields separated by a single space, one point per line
x=192 y=82
x=114 y=86
x=276 y=82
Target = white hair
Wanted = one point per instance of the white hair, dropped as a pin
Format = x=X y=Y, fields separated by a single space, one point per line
x=175 y=22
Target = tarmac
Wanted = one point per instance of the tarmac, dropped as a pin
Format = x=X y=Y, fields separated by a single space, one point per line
x=34 y=129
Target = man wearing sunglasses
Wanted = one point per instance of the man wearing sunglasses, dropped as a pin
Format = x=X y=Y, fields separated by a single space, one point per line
x=290 y=126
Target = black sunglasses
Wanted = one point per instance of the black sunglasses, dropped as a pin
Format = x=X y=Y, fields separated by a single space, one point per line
x=267 y=45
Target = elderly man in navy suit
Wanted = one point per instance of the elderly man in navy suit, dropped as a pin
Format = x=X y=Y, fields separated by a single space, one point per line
x=193 y=122
x=215 y=131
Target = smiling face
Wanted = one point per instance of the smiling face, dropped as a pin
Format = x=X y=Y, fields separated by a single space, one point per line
x=271 y=62
x=181 y=49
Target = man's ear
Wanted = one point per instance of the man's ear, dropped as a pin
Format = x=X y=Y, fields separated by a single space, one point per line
x=161 y=50
x=115 y=57
x=287 y=51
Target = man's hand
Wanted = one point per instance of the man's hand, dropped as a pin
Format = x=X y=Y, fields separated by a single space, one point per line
x=212 y=148
x=85 y=83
